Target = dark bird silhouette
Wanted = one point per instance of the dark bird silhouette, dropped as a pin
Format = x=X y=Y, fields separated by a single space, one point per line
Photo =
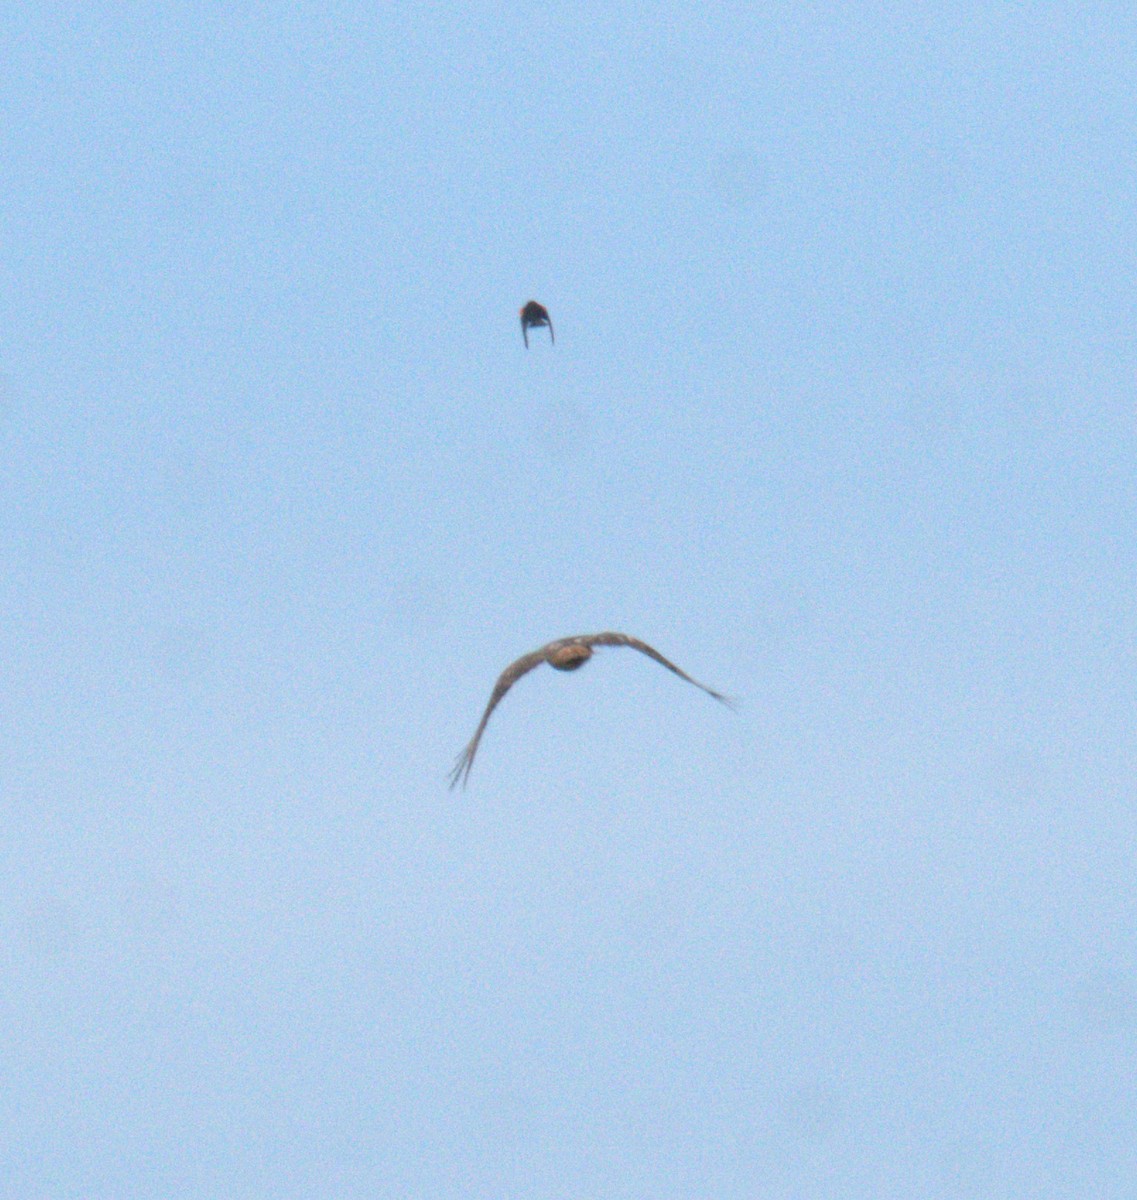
x=566 y=654
x=535 y=316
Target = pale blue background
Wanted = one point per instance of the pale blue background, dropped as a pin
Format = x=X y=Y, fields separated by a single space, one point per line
x=842 y=415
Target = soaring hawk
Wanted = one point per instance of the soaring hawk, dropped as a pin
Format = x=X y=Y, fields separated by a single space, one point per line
x=566 y=654
x=535 y=316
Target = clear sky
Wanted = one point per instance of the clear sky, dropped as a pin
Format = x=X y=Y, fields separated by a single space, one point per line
x=841 y=416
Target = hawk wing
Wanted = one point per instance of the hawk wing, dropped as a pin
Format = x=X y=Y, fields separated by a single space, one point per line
x=461 y=769
x=622 y=639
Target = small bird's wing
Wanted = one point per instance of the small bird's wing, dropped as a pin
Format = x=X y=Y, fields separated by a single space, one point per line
x=622 y=639
x=525 y=329
x=506 y=680
x=552 y=336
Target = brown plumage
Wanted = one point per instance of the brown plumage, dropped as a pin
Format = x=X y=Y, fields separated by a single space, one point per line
x=535 y=316
x=566 y=654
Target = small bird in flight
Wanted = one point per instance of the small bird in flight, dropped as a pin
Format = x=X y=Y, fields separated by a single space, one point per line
x=566 y=654
x=535 y=316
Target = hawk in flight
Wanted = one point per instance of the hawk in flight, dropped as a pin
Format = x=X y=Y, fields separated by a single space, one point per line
x=535 y=316
x=566 y=654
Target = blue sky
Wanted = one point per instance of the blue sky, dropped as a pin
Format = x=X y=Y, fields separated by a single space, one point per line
x=841 y=417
